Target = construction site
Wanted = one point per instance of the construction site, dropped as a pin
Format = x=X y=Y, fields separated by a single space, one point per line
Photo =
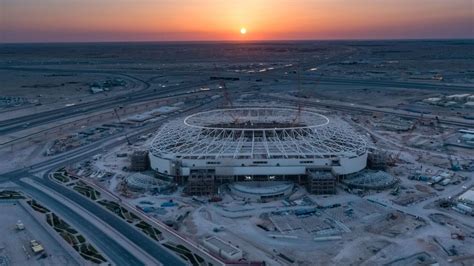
x=285 y=217
x=272 y=158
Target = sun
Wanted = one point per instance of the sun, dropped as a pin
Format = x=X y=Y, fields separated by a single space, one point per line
x=243 y=31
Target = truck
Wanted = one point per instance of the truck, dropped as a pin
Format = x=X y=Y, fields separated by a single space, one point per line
x=36 y=246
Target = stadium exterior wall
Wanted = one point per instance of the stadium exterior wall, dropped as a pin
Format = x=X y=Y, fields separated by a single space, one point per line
x=238 y=167
x=257 y=141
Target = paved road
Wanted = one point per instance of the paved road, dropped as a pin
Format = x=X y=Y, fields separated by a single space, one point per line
x=372 y=109
x=97 y=147
x=18 y=124
x=387 y=84
x=110 y=247
x=144 y=242
x=148 y=245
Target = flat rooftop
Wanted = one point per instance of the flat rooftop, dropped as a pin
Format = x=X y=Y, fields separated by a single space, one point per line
x=221 y=245
x=467 y=196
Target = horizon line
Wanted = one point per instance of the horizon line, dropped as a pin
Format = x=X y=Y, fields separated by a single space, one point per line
x=237 y=40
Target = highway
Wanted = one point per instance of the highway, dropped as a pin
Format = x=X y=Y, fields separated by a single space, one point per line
x=87 y=151
x=16 y=124
x=381 y=84
x=147 y=244
x=110 y=247
x=371 y=109
x=145 y=91
x=142 y=241
x=145 y=94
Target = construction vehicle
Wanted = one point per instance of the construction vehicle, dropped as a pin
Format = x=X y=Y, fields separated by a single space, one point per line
x=455 y=166
x=457 y=236
x=19 y=225
x=36 y=246
x=395 y=191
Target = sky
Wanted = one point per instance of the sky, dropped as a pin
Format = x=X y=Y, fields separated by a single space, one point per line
x=206 y=20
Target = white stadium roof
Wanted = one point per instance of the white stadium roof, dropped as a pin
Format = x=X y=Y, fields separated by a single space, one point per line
x=257 y=133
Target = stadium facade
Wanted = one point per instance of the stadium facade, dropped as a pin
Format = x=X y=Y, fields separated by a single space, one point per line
x=258 y=144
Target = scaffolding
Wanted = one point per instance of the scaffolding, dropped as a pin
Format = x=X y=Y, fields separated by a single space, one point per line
x=200 y=182
x=321 y=182
x=139 y=161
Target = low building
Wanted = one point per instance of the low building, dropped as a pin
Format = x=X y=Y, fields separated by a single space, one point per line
x=395 y=124
x=222 y=248
x=142 y=182
x=469 y=104
x=262 y=190
x=468 y=131
x=467 y=197
x=467 y=137
x=458 y=97
x=433 y=100
x=464 y=209
x=451 y=103
x=96 y=89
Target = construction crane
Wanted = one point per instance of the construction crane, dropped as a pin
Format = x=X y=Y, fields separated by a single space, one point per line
x=120 y=122
x=223 y=86
x=226 y=94
x=235 y=119
x=299 y=94
x=227 y=98
x=453 y=162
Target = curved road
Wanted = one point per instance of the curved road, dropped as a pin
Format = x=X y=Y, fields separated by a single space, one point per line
x=148 y=245
x=114 y=251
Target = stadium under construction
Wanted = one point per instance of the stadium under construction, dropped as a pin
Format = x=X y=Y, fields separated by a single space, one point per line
x=256 y=144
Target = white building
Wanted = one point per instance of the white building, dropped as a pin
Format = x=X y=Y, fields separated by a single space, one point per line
x=225 y=250
x=467 y=197
x=467 y=137
x=458 y=97
x=433 y=100
x=262 y=191
x=469 y=104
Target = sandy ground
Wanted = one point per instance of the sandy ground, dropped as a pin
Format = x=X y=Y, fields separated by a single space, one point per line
x=14 y=245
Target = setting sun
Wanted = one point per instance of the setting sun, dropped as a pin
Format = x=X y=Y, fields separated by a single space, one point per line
x=243 y=30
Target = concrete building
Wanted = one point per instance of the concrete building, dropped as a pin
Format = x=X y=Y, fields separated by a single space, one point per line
x=433 y=100
x=467 y=197
x=261 y=190
x=142 y=182
x=469 y=104
x=222 y=248
x=458 y=97
x=467 y=137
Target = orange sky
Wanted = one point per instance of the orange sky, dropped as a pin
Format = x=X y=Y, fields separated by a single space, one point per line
x=160 y=20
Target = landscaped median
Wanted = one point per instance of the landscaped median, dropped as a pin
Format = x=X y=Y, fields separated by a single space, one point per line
x=131 y=216
x=77 y=241
x=69 y=234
